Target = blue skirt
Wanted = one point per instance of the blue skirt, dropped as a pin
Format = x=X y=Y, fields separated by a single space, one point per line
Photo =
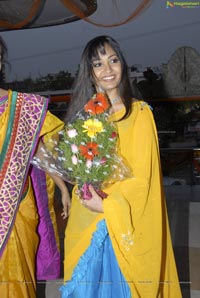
x=97 y=274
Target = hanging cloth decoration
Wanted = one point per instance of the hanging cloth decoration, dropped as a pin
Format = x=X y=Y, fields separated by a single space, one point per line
x=24 y=14
x=110 y=13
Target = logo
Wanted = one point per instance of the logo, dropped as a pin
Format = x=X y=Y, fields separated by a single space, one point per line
x=182 y=4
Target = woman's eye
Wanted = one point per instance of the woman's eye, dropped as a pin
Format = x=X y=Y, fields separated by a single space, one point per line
x=115 y=60
x=96 y=64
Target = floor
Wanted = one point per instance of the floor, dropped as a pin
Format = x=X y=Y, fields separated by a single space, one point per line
x=183 y=203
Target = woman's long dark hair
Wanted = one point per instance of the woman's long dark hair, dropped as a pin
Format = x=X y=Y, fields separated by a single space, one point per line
x=3 y=54
x=4 y=49
x=84 y=85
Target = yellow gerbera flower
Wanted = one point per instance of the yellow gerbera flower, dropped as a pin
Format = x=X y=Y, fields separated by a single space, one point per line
x=92 y=127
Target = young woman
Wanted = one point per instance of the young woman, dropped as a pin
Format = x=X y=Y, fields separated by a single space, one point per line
x=119 y=246
x=28 y=242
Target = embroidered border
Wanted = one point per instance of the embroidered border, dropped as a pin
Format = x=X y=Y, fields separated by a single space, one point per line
x=28 y=117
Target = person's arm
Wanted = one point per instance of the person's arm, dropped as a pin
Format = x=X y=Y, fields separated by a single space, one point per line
x=65 y=196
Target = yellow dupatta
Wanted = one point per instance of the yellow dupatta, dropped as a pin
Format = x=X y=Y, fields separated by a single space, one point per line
x=135 y=215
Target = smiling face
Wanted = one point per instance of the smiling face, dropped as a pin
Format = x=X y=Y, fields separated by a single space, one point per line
x=107 y=71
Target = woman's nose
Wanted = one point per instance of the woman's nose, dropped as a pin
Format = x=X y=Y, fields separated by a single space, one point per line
x=108 y=67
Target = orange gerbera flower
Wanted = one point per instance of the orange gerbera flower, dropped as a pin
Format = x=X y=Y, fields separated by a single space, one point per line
x=89 y=151
x=97 y=105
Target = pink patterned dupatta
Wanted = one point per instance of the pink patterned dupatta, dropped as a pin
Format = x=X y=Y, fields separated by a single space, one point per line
x=26 y=116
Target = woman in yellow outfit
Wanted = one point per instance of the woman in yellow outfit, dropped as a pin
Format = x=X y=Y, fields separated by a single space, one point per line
x=120 y=246
x=28 y=240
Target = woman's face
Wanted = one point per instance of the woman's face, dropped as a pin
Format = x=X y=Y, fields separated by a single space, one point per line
x=107 y=71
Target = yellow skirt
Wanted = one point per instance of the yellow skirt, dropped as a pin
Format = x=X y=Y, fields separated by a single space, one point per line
x=17 y=264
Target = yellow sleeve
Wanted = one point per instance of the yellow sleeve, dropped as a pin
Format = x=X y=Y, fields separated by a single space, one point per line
x=139 y=146
x=134 y=207
x=51 y=125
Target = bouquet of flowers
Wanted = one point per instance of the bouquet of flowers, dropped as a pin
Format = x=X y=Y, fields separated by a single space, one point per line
x=86 y=151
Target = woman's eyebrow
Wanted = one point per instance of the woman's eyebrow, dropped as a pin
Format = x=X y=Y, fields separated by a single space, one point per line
x=98 y=59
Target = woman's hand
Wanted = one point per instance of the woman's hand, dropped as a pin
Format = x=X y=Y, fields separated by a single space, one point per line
x=65 y=196
x=66 y=202
x=95 y=203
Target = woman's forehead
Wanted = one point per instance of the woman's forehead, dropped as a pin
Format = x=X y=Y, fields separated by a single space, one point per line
x=105 y=49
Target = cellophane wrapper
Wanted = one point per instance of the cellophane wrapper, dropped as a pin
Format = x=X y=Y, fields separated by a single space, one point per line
x=86 y=151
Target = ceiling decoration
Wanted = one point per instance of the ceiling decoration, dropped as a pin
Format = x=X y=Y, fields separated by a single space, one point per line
x=21 y=14
x=24 y=14
x=112 y=13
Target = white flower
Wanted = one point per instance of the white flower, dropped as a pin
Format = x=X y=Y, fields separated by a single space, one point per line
x=72 y=133
x=97 y=163
x=74 y=160
x=88 y=163
x=74 y=148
